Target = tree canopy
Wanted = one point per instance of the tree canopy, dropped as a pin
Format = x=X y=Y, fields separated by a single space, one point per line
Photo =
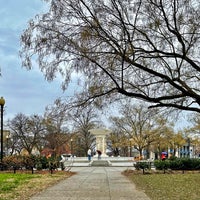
x=140 y=126
x=143 y=49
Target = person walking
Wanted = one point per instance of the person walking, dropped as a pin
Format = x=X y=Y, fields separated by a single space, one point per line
x=99 y=154
x=89 y=153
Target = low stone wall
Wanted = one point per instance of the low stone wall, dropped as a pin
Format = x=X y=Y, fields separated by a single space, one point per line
x=105 y=158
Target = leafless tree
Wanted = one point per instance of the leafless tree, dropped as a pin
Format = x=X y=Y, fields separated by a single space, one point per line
x=143 y=49
x=57 y=133
x=139 y=126
x=84 y=119
x=26 y=132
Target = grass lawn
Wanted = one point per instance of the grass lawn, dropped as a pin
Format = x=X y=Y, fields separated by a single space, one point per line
x=21 y=186
x=170 y=186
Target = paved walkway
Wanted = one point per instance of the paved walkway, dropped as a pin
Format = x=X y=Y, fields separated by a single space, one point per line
x=94 y=183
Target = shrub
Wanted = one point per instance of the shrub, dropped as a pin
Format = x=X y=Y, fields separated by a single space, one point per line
x=142 y=165
x=13 y=162
x=162 y=164
x=172 y=158
x=176 y=164
x=190 y=164
x=196 y=164
x=28 y=162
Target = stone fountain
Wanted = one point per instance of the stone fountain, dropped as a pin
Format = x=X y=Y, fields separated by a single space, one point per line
x=100 y=135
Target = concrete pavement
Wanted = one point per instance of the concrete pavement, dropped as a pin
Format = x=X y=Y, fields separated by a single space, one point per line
x=94 y=183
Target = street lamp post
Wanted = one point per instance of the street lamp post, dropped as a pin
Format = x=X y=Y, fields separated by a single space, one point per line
x=2 y=102
x=71 y=146
x=7 y=139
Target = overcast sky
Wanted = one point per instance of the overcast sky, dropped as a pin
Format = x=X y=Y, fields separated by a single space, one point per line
x=24 y=91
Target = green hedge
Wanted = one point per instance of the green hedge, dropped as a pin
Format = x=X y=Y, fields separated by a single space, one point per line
x=178 y=164
x=172 y=164
x=162 y=164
